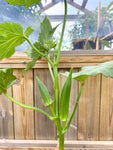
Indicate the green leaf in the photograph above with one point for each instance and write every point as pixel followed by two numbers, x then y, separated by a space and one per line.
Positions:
pixel 45 37
pixel 11 36
pixel 28 31
pixel 105 69
pixel 32 54
pixel 56 137
pixel 105 43
pixel 26 3
pixel 6 79
pixel 31 64
pixel 46 30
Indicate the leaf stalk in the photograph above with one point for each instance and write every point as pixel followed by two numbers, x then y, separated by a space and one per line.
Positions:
pixel 28 107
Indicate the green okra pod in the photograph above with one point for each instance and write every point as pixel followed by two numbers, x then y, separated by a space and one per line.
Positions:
pixel 44 93
pixel 65 97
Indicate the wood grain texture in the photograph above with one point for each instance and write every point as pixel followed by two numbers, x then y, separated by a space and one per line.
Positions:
pixel 23 118
pixel 6 117
pixel 44 128
pixel 53 148
pixel 67 59
pixel 72 132
pixel 88 114
pixel 50 145
pixel 106 111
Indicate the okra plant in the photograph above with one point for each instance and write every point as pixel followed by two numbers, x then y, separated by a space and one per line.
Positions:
pixel 12 35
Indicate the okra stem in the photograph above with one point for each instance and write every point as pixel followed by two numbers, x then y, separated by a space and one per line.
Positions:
pixel 61 141
pixel 56 90
pixel 62 34
pixel 75 108
pixel 28 107
pixel 51 72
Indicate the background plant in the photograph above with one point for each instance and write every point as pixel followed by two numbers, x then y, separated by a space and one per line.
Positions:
pixel 12 35
pixel 85 26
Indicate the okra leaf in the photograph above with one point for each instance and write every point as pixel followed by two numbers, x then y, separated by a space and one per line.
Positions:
pixel 32 54
pixel 11 36
pixel 26 3
pixel 6 79
pixel 105 69
pixel 46 34
pixel 31 64
pixel 46 30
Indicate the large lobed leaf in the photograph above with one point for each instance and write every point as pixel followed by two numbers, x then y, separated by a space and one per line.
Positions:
pixel 26 3
pixel 105 69
pixel 6 79
pixel 11 36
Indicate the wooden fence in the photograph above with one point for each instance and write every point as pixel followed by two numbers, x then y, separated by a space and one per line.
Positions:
pixel 94 117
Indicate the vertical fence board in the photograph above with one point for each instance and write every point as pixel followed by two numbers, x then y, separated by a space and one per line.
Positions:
pixel 44 128
pixel 23 118
pixel 88 115
pixel 106 113
pixel 72 132
pixel 6 117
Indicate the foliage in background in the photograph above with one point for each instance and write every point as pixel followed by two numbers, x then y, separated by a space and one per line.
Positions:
pixel 86 25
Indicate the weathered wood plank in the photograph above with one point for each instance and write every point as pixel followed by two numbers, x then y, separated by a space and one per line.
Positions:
pixel 88 112
pixel 6 117
pixel 23 118
pixel 45 65
pixel 48 148
pixel 67 59
pixel 106 112
pixel 50 145
pixel 72 132
pixel 44 128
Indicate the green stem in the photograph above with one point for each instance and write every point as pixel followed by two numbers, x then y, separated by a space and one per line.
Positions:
pixel 51 72
pixel 28 107
pixel 34 47
pixel 61 141
pixel 49 60
pixel 75 108
pixel 57 122
pixel 62 34
pixel 56 90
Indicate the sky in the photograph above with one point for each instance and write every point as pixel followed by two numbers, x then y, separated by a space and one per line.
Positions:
pixel 92 4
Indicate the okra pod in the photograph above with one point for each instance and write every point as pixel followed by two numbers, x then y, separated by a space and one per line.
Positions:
pixel 65 98
pixel 44 93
